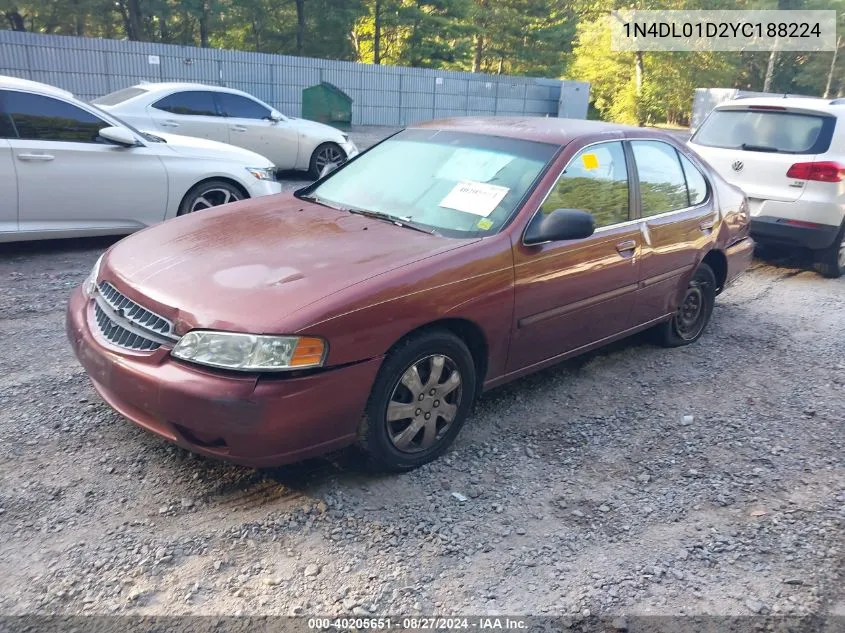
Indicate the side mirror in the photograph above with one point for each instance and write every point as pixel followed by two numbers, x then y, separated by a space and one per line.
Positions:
pixel 119 136
pixel 560 224
pixel 276 116
pixel 327 169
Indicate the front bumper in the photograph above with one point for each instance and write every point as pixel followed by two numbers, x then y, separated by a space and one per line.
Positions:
pixel 258 188
pixel 778 231
pixel 251 420
pixel 350 149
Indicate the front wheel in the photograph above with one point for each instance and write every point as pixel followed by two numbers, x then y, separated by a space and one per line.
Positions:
pixel 211 193
pixel 831 261
pixel 694 312
pixel 325 154
pixel 419 402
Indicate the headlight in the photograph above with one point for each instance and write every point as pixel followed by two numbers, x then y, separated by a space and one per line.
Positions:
pixel 89 286
pixel 262 173
pixel 250 352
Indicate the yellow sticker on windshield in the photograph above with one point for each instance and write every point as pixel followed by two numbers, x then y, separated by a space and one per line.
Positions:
pixel 485 223
pixel 591 161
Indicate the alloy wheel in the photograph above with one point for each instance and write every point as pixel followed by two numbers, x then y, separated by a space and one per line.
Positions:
pixel 424 403
pixel 213 198
pixel 328 155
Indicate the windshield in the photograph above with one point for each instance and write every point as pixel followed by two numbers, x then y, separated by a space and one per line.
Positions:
pixel 454 183
pixel 118 96
pixel 767 131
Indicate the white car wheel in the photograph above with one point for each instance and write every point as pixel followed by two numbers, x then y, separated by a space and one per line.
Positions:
pixel 212 193
pixel 326 154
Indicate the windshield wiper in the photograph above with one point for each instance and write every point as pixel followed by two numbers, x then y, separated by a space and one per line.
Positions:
pixel 320 201
pixel 376 215
pixel 403 222
pixel 759 148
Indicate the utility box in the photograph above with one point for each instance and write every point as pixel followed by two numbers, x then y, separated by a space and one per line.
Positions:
pixel 574 99
pixel 328 104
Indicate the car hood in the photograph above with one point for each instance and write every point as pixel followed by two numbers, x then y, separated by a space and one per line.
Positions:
pixel 248 265
pixel 202 148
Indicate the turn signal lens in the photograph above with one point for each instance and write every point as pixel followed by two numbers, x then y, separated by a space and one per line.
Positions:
pixel 308 353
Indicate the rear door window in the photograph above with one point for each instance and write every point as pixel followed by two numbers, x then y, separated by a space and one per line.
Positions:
pixel 759 130
pixel 188 103
pixel 663 186
pixel 240 107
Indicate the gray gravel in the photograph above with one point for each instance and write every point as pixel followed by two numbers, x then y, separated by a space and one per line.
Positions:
pixel 635 480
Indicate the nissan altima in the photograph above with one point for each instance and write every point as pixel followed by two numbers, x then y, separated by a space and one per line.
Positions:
pixel 375 305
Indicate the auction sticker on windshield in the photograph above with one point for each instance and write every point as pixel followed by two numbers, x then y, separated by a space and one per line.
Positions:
pixel 477 198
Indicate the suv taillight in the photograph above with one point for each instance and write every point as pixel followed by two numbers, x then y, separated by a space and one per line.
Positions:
pixel 823 171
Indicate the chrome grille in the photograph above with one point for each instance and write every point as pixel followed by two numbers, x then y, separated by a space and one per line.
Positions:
pixel 127 324
pixel 133 312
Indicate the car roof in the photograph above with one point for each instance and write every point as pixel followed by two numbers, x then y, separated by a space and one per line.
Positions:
pixel 542 129
pixel 180 85
pixel 33 86
pixel 798 103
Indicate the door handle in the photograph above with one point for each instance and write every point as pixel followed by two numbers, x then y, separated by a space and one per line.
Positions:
pixel 707 225
pixel 627 246
pixel 169 124
pixel 238 128
pixel 36 157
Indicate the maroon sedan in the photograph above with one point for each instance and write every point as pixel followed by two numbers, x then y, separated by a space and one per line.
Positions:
pixel 374 306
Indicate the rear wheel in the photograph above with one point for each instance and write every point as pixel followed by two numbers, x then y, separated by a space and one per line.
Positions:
pixel 694 312
pixel 325 154
pixel 419 402
pixel 211 193
pixel 830 262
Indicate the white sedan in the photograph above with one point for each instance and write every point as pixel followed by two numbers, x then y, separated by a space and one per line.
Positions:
pixel 231 116
pixel 68 169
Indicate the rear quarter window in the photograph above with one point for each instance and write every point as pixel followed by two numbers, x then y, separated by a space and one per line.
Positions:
pixel 767 131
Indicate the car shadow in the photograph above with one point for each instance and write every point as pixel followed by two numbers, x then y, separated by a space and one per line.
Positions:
pixel 798 260
pixel 36 248
pixel 294 176
pixel 350 465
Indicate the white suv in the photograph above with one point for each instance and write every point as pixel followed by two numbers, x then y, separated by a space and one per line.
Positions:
pixel 788 156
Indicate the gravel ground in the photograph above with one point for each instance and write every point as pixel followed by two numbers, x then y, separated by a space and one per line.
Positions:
pixel 635 480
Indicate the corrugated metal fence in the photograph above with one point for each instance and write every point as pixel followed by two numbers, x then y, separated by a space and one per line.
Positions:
pixel 383 95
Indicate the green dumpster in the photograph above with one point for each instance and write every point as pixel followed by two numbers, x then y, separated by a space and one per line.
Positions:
pixel 328 104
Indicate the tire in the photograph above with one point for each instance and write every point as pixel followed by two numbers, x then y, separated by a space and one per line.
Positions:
pixel 394 445
pixel 211 193
pixel 694 312
pixel 324 154
pixel 830 262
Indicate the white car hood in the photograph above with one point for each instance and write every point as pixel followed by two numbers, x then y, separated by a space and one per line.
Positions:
pixel 205 149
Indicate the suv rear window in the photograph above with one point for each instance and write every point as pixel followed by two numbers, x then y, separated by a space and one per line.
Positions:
pixel 767 131
pixel 118 96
